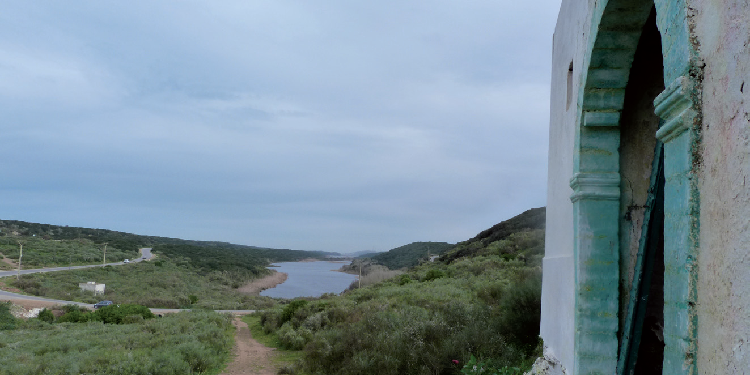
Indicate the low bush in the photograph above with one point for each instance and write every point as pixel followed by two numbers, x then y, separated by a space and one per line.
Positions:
pixel 288 312
pixel 7 320
pixel 46 315
pixel 178 344
pixel 116 314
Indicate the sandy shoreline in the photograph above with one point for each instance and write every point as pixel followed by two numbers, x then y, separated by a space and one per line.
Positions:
pixel 254 287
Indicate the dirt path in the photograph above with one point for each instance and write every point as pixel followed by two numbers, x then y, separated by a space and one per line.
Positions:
pixel 256 286
pixel 251 357
pixel 8 260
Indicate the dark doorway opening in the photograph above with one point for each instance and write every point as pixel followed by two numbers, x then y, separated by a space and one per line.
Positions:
pixel 641 161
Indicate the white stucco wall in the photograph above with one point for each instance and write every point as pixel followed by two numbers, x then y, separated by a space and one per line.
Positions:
pixel 92 287
pixel 558 289
pixel 723 30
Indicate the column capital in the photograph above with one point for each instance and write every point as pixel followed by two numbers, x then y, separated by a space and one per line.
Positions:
pixel 595 186
pixel 674 106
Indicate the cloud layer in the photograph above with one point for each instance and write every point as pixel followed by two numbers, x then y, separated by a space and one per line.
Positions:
pixel 334 125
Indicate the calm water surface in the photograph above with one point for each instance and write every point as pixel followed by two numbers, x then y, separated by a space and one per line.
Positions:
pixel 309 279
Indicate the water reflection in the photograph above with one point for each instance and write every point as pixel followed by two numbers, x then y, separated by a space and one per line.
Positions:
pixel 309 279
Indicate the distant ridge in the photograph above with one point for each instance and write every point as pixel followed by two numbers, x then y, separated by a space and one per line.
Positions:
pixel 132 242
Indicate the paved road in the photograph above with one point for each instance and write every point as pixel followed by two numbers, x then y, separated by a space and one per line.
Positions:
pixel 146 255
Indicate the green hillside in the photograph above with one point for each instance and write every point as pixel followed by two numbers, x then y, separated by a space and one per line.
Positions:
pixel 478 306
pixel 525 232
pixel 47 245
pixel 409 255
pixel 202 274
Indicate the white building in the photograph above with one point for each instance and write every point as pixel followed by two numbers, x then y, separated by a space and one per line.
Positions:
pixel 629 76
pixel 97 289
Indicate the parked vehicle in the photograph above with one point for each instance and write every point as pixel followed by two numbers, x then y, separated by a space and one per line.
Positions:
pixel 102 304
pixel 126 261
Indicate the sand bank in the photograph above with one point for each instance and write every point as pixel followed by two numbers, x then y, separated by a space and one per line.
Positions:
pixel 256 286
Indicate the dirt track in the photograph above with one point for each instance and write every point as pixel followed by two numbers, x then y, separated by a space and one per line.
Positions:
pixel 251 357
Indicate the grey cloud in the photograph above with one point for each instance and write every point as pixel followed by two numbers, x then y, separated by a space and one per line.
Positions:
pixel 317 125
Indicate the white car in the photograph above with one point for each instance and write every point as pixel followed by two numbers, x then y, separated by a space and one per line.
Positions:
pixel 126 261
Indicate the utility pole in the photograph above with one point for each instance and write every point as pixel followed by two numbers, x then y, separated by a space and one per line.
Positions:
pixel 104 261
pixel 20 255
pixel 359 284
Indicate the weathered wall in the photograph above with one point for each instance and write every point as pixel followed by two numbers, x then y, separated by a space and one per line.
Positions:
pixel 723 32
pixel 558 288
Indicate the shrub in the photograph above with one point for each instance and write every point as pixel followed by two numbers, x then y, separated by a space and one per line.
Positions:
pixel 521 309
pixel 7 320
pixel 404 279
pixel 294 339
pixel 115 314
pixel 433 274
pixel 77 314
pixel 46 315
pixel 290 309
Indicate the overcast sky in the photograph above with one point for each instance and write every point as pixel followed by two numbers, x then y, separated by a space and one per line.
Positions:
pixel 314 125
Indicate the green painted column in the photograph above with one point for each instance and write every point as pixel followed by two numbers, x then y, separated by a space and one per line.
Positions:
pixel 681 226
pixel 596 196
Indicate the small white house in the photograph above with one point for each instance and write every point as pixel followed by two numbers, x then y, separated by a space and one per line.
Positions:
pixel 97 289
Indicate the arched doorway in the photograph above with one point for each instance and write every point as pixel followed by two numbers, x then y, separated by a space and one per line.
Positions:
pixel 612 148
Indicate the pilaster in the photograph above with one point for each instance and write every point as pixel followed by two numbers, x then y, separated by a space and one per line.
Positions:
pixel 681 208
pixel 596 207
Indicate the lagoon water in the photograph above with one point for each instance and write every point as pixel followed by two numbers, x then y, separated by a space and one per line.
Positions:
pixel 309 279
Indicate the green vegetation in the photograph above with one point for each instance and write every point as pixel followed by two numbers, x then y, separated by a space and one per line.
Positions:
pixel 187 274
pixel 196 342
pixel 369 272
pixel 164 283
pixel 49 245
pixel 409 255
pixel 112 314
pixel 7 321
pixel 433 319
pixel 475 310
pixel 491 240
pixel 282 358
pixel 39 253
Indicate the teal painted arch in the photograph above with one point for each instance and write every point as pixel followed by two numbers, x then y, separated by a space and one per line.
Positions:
pixel 615 31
